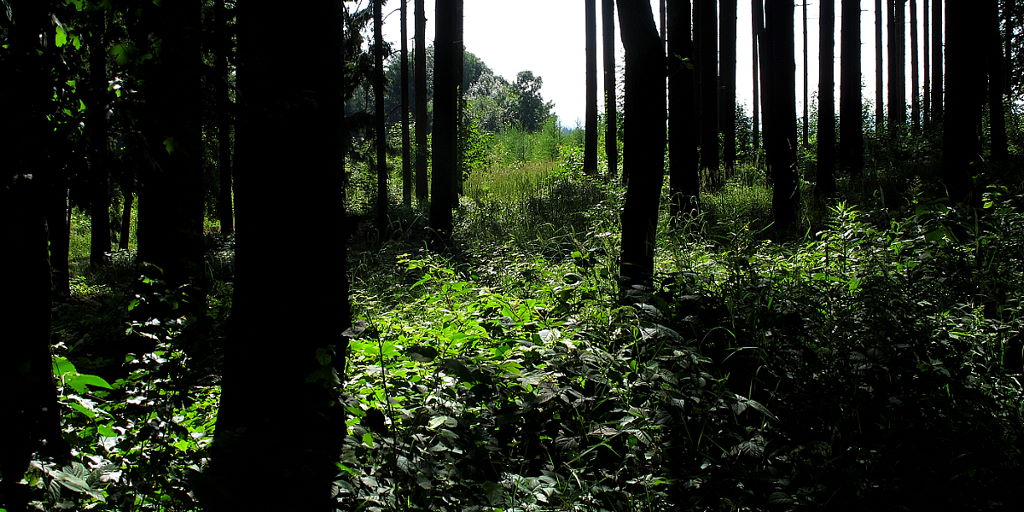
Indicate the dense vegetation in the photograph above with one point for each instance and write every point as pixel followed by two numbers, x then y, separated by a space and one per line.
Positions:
pixel 868 356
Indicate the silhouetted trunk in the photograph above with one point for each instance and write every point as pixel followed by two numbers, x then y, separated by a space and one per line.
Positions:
pixel 460 104
pixel 590 126
pixel 225 208
pixel 897 70
pixel 926 96
pixel 406 153
pixel 826 185
pixel 28 398
pixel 291 116
pixel 996 86
pixel 806 121
pixel 706 41
pixel 380 133
pixel 756 25
pixel 965 92
pixel 937 76
pixel 727 69
pixel 611 134
pixel 684 174
pixel 58 225
pixel 96 127
pixel 445 135
pixel 851 126
pixel 170 224
pixel 780 133
pixel 663 26
pixel 420 84
pixel 879 70
pixel 915 80
pixel 645 141
pixel 124 234
pixel 1009 27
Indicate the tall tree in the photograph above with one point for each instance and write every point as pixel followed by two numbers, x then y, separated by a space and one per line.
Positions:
pixel 171 200
pixel 406 154
pixel 222 39
pixel 727 70
pixel 926 96
pixel 380 133
pixel 96 127
pixel 780 132
pixel 937 89
pixel 706 41
pixel 806 120
pixel 684 173
pixel 897 68
pixel 644 139
pixel 611 134
pixel 420 85
pixel 879 71
pixel 826 185
pixel 996 85
pixel 757 26
pixel 965 93
pixel 447 46
pixel 915 80
pixel 291 117
pixel 851 126
pixel 28 398
pixel 590 127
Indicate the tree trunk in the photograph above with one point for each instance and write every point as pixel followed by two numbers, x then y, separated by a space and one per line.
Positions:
pixel 611 134
pixel 780 133
pixel 171 199
pixel 915 80
pixel 879 71
pixel 826 185
pixel 380 132
pixel 897 71
pixel 727 69
pixel 645 141
pixel 445 141
pixel 590 127
pixel 684 173
pixel 96 127
pixel 996 87
pixel 290 117
pixel 128 198
pixel 806 120
pixel 406 153
pixel 757 26
pixel 225 208
pixel 851 126
pixel 706 33
pixel 965 93
pixel 926 96
pixel 58 225
pixel 420 84
pixel 937 89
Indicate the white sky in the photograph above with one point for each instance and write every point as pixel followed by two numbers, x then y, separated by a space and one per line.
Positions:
pixel 547 37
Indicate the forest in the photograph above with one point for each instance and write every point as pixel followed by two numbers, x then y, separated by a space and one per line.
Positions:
pixel 258 258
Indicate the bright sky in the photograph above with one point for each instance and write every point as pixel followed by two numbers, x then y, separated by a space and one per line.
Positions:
pixel 547 37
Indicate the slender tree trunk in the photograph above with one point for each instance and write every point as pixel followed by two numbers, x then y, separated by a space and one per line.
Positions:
pixel 611 145
pixel 99 171
pixel 965 93
pixel 380 136
pixel 291 117
pixel 897 72
pixel 460 104
pixel 645 141
pixel 1009 27
pixel 684 173
pixel 707 69
pixel 727 70
pixel 225 200
pixel 420 84
pixel 806 120
pixel 996 86
pixel 879 71
pixel 826 185
pixel 406 153
pixel 590 129
pixel 58 225
pixel 851 125
pixel 445 141
pixel 663 17
pixel 128 198
pixel 756 25
pixel 926 96
pixel 781 135
pixel 915 80
pixel 937 68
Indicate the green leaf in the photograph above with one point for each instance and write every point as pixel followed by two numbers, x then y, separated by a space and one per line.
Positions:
pixel 106 431
pixel 422 354
pixel 169 145
pixel 62 37
pixel 447 421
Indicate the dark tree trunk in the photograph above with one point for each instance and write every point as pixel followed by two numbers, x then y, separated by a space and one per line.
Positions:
pixel 996 87
pixel 170 224
pixel 915 80
pixel 757 26
pixel 459 58
pixel 406 153
pixel 780 133
pixel 926 114
pixel 611 134
pixel 58 225
pixel 645 141
pixel 879 71
pixel 1009 27
pixel 937 89
pixel 965 93
pixel 684 174
pixel 590 126
pixel 291 117
pixel 706 34
pixel 826 185
pixel 99 171
pixel 445 141
pixel 420 84
pixel 851 126
pixel 380 133
pixel 663 17
pixel 128 198
pixel 897 70
pixel 225 209
pixel 727 69
pixel 806 120
pixel 28 398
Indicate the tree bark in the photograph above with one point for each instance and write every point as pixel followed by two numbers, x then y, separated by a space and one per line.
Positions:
pixel 851 125
pixel 406 153
pixel 826 181
pixel 780 133
pixel 926 96
pixel 645 141
pixel 965 93
pixel 879 71
pixel 684 173
pixel 897 70
pixel 420 84
pixel 96 127
pixel 915 80
pixel 611 135
pixel 937 69
pixel 757 27
pixel 445 141
pixel 291 117
pixel 380 132
pixel 590 126
pixel 706 34
pixel 806 121
pixel 727 70
pixel 225 207
pixel 996 86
